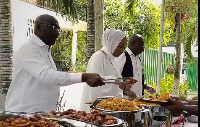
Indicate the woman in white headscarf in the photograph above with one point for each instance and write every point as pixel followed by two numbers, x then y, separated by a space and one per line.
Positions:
pixel 103 63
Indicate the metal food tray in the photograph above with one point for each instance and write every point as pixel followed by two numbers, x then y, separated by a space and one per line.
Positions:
pixel 80 123
pixel 6 115
pixel 99 99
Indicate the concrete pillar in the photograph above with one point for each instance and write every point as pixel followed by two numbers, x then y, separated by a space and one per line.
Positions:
pixel 74 48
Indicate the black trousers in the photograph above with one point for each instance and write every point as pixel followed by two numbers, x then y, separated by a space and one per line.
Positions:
pixel 138 124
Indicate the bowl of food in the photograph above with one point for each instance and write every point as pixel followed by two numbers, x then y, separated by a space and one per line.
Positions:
pixel 160 99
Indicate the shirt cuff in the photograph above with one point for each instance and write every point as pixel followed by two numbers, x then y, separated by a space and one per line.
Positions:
pixel 75 77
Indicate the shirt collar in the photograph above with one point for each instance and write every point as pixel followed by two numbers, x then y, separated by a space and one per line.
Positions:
pixel 38 41
pixel 129 51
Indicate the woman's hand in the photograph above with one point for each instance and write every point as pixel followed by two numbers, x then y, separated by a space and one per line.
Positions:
pixel 124 86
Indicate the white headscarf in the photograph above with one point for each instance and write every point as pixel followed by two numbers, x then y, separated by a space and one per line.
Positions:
pixel 110 40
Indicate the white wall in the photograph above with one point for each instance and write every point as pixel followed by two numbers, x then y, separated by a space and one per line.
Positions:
pixel 172 50
pixel 22 14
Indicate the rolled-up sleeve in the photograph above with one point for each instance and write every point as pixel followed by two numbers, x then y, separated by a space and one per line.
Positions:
pixel 31 60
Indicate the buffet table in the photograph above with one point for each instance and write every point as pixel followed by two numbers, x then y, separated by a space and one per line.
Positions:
pixel 188 124
pixel 107 111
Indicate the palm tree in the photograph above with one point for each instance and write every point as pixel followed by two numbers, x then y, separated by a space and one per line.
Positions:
pixel 5 48
pixel 65 7
pixel 68 8
pixel 90 29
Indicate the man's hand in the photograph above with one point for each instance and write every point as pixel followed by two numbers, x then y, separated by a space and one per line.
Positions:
pixel 92 79
pixel 175 106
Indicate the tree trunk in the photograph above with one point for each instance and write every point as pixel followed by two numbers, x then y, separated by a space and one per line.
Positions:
pixel 99 23
pixel 5 49
pixel 178 55
pixel 90 29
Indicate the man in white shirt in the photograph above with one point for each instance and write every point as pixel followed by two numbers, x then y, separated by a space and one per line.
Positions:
pixel 131 66
pixel 36 82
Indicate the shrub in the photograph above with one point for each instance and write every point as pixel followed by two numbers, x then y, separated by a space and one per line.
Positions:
pixel 166 86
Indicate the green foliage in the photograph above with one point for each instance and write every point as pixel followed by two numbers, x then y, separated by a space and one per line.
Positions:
pixel 190 32
pixel 183 90
pixel 166 86
pixel 61 51
pixel 67 8
pixel 189 26
pixel 144 19
pixel 179 6
pixel 81 53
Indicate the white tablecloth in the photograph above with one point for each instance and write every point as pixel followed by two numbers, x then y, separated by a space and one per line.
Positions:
pixel 191 124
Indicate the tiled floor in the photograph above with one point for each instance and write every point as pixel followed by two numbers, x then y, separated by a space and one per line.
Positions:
pixel 157 123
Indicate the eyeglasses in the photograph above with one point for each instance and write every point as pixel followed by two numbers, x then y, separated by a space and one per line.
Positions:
pixel 54 28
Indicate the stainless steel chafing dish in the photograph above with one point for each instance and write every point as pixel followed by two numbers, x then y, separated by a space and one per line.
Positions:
pixel 78 123
pixel 161 111
pixel 127 116
pixel 6 115
pixel 64 122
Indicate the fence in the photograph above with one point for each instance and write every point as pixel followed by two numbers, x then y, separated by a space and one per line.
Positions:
pixel 192 74
pixel 150 64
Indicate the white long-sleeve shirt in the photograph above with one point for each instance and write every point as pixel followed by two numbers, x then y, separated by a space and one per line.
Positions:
pixel 101 64
pixel 36 81
pixel 137 70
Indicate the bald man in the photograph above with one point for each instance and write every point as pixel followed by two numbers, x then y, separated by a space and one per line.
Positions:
pixel 36 82
pixel 131 66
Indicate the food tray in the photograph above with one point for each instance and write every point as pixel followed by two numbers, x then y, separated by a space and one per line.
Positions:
pixel 98 100
pixel 80 123
pixel 6 115
pixel 154 101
